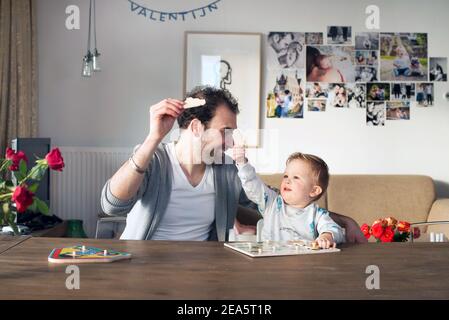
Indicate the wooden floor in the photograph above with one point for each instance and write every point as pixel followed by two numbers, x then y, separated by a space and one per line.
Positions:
pixel 207 270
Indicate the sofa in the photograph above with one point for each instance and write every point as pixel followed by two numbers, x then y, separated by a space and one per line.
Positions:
pixel 366 198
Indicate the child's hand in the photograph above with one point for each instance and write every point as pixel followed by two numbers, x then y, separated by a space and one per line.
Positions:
pixel 326 241
pixel 238 154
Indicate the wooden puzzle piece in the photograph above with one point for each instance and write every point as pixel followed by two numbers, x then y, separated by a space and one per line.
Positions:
pixel 239 138
pixel 194 103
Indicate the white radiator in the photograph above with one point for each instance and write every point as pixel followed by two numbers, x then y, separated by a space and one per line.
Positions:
pixel 75 192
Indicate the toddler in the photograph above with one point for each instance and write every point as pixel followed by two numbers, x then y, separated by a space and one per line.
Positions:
pixel 291 213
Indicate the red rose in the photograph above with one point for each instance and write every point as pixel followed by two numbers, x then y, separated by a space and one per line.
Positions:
pixel 403 226
pixel 55 160
pixel 383 222
pixel 377 229
pixel 391 222
pixel 366 230
pixel 15 158
pixel 388 235
pixel 23 198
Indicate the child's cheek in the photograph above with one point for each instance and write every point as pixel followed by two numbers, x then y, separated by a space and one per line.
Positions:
pixel 297 186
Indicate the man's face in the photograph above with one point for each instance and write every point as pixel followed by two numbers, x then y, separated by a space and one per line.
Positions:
pixel 218 134
pixel 283 42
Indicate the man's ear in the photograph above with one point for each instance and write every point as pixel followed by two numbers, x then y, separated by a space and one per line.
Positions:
pixel 316 191
pixel 196 127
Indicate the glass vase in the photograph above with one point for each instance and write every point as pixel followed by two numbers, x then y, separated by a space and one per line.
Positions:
pixel 75 229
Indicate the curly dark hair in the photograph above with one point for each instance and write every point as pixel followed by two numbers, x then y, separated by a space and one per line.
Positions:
pixel 214 97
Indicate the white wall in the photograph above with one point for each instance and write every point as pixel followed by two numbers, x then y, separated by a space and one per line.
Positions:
pixel 142 63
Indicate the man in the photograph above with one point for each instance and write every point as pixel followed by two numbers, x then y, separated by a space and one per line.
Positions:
pixel 183 191
pixel 280 41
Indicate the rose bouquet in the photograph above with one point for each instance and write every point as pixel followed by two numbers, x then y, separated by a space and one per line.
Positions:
pixel 18 185
pixel 389 230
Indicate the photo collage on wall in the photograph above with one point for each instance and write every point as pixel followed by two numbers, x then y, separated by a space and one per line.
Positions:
pixel 384 73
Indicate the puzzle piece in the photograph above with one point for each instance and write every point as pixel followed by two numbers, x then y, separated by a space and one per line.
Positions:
pixel 239 138
pixel 194 103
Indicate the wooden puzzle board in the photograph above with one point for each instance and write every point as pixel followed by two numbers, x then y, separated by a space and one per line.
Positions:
pixel 275 249
pixel 84 254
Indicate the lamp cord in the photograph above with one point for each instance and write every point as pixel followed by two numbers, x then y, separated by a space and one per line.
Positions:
pixel 95 23
pixel 90 23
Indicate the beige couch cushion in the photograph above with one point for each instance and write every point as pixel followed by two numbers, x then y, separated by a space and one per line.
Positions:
pixel 366 198
pixel 369 197
pixel 440 212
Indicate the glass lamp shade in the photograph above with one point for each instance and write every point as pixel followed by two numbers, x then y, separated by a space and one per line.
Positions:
pixel 87 65
pixel 95 61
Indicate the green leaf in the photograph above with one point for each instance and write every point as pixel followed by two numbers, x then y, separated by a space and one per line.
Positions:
pixel 19 176
pixel 11 219
pixel 5 208
pixel 37 173
pixel 5 165
pixel 10 186
pixel 5 196
pixel 33 188
pixel 23 167
pixel 33 207
pixel 42 207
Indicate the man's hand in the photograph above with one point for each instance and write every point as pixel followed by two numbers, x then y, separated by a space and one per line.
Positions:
pixel 243 229
pixel 163 116
pixel 325 240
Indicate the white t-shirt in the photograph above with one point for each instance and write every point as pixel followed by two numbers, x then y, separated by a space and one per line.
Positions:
pixel 191 210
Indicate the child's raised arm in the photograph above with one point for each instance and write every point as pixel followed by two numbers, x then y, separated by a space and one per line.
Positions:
pixel 255 189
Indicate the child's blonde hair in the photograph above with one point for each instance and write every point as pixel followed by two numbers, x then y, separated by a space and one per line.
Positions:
pixel 319 169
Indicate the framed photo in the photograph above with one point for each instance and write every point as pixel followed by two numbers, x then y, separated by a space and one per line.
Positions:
pixel 229 61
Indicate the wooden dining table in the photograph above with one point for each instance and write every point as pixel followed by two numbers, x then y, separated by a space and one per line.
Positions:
pixel 208 270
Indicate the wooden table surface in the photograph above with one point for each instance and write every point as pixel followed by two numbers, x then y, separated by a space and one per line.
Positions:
pixel 8 242
pixel 207 270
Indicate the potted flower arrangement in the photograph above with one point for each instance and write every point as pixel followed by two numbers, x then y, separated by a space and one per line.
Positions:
pixel 389 230
pixel 18 195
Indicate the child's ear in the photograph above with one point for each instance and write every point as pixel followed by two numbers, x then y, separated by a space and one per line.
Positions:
pixel 316 191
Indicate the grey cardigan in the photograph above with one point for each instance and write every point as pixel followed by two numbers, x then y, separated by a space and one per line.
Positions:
pixel 145 211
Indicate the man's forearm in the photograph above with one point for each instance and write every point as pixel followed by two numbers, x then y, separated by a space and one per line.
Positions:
pixel 126 181
pixel 338 218
pixel 353 232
